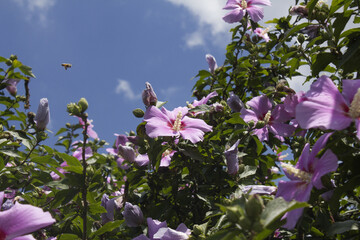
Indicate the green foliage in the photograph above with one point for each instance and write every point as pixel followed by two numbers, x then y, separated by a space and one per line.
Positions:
pixel 196 188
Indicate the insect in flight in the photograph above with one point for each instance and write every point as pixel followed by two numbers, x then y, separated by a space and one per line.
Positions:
pixel 66 65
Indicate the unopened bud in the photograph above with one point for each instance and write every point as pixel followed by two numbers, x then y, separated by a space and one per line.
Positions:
pixel 139 113
pixel 31 117
pixel 13 57
pixel 11 87
pixel 234 102
pixel 83 104
pixel 211 62
pixel 133 215
pixel 301 38
pixel 254 206
pixel 42 117
pixel 299 10
pixel 260 124
pixel 73 109
pixel 233 213
pixel 148 95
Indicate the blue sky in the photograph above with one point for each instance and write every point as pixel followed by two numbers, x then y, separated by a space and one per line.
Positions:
pixel 115 46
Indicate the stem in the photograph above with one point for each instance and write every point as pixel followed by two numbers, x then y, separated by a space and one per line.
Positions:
pixel 85 185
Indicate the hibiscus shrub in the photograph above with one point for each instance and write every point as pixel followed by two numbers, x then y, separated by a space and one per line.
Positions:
pixel 250 158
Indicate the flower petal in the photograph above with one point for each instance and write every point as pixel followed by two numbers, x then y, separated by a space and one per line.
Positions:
pixel 154 226
pixel 260 104
pixel 256 13
pixel 234 16
pixel 23 219
pixel 326 164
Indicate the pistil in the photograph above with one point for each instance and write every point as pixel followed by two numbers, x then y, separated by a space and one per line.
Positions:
pixel 177 123
pixel 354 110
pixel 302 175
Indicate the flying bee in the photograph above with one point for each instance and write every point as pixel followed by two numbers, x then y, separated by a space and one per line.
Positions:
pixel 66 65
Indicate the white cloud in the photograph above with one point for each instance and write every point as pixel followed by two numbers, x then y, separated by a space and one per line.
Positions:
pixel 37 9
pixel 208 14
pixel 124 88
pixel 211 28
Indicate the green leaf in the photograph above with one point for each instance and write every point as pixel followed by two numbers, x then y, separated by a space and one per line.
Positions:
pixel 275 209
pixel 236 119
pixel 321 61
pixel 71 161
pixel 259 145
pixel 310 6
pixel 108 227
pixel 74 169
pixel 10 153
pixel 27 71
pixel 96 209
pixel 248 171
pixel 16 63
pixel 341 227
pixel 2 59
pixel 335 5
pixel 68 236
pixel 159 104
pixel 45 160
pixel 227 234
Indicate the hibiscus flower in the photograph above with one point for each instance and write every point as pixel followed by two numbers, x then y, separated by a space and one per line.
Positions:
pixel 239 8
pixel 305 175
pixel 326 108
pixel 174 123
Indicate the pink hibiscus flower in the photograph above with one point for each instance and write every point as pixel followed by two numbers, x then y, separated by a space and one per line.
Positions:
pixel 174 123
pixel 239 8
pixel 305 175
pixel 326 108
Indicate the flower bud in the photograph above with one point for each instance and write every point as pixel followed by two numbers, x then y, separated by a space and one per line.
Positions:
pixel 148 95
pixel 212 63
pixel 42 117
pixel 133 215
pixel 139 113
pixel 260 124
pixel 127 153
pixel 11 87
pixel 299 10
pixel 83 104
pixel 254 206
pixel 31 117
pixel 73 109
pixel 234 102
